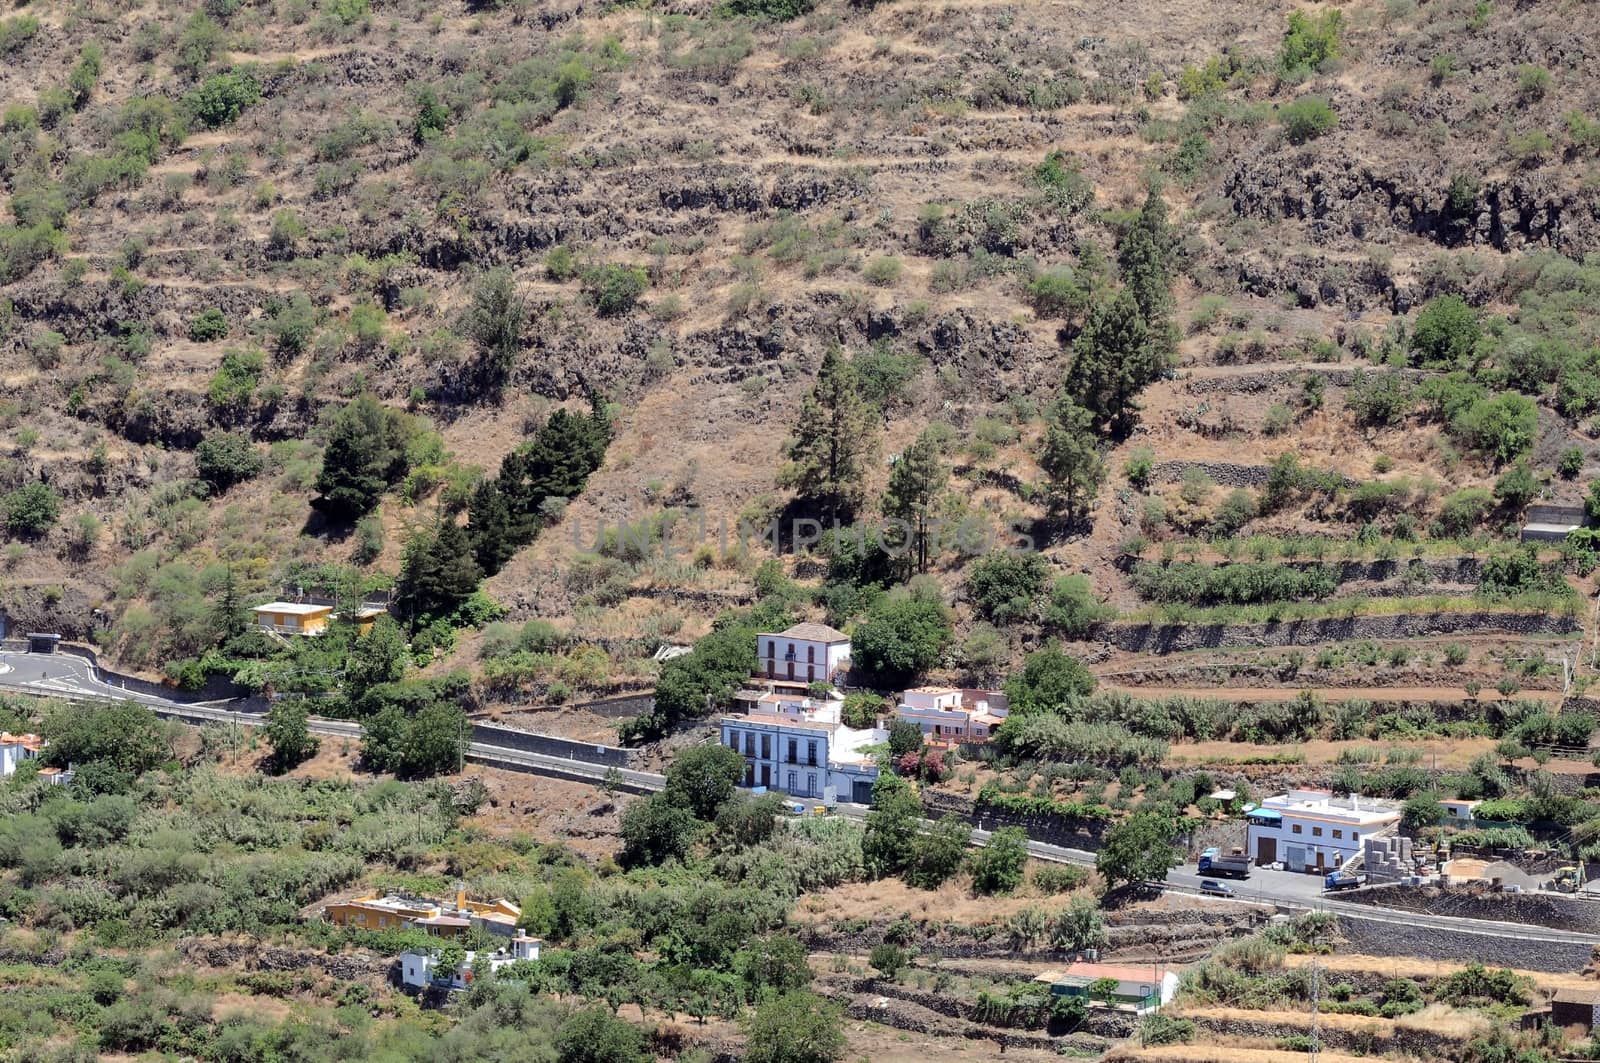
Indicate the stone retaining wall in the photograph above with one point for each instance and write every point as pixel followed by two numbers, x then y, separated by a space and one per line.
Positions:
pixel 1430 943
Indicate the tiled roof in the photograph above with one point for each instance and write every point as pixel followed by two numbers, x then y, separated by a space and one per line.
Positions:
pixel 814 633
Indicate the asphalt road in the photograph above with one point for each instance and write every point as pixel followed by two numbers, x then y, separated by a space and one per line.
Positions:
pixel 63 676
pixel 74 678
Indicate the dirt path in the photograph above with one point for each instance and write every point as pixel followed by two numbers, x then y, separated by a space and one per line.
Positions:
pixel 1437 694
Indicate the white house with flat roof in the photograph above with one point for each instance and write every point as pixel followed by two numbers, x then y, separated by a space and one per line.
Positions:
pixel 805 653
pixel 950 716
pixel 1313 830
pixel 419 968
pixel 799 746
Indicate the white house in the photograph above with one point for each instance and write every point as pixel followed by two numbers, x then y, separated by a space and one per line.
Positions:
pixel 805 653
pixel 1312 830
pixel 951 716
pixel 418 969
pixel 799 746
pixel 1141 988
pixel 1459 812
pixel 14 749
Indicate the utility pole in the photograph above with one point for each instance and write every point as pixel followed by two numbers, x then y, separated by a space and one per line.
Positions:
pixel 1315 986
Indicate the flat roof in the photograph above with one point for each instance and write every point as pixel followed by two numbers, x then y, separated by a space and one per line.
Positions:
pixel 293 608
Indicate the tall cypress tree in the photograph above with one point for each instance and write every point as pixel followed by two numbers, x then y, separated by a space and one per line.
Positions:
pixel 439 572
pixel 1146 253
pixel 489 528
pixel 915 484
pixel 831 440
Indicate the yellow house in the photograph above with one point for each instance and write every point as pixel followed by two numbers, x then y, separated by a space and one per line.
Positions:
pixel 440 918
pixel 365 617
pixel 293 618
pixel 373 912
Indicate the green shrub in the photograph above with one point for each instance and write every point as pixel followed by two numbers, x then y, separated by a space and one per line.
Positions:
pixel 222 98
pixel 16 32
pixel 1446 334
pixel 235 381
pixel 1307 119
pixel 615 289
pixel 1532 82
pixel 1057 293
pixel 1571 463
pixel 31 510
pixel 883 272
pixel 208 325
pixel 1310 42
pixel 776 10
pixel 226 458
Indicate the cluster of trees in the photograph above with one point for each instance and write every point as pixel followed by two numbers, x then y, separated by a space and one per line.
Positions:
pixel 508 511
pixel 897 843
pixel 1124 345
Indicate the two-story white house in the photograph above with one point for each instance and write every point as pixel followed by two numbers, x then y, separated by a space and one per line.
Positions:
pixel 1313 830
pixel 419 968
pixel 949 716
pixel 805 653
pixel 799 746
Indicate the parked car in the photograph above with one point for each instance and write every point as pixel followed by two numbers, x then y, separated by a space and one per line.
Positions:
pixel 1211 885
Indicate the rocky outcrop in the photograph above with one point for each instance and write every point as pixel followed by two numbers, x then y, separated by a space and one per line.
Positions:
pixel 1346 195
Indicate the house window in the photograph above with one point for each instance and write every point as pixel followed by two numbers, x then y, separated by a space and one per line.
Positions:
pixel 749 744
pixel 1337 833
pixel 811 783
pixel 793 746
pixel 811 752
pixel 1316 832
pixel 811 673
pixel 766 747
pixel 731 740
pixel 811 654
pixel 791 782
pixel 1295 829
pixel 772 648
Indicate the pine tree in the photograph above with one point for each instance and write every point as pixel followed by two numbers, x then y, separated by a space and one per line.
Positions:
pixel 915 486
pixel 489 528
pixel 359 461
pixel 438 573
pixel 1145 254
pixel 831 441
pixel 1071 457
pixel 1113 360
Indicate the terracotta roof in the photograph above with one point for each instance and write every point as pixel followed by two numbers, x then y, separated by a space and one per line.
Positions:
pixel 31 742
pixel 1120 972
pixel 814 633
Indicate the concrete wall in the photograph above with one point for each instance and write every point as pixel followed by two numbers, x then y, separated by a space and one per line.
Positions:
pixel 527 741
